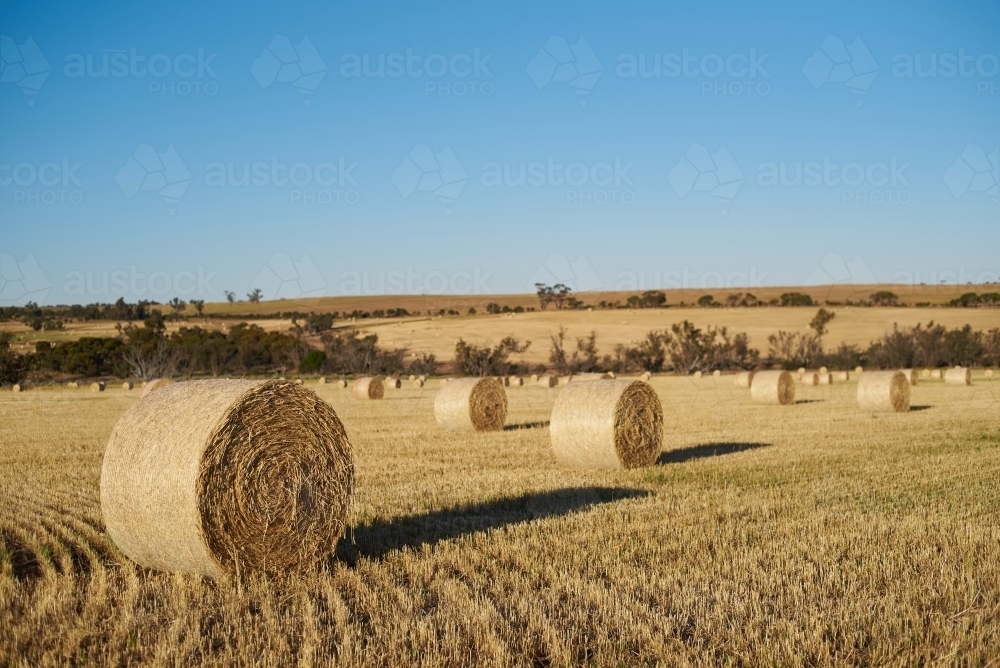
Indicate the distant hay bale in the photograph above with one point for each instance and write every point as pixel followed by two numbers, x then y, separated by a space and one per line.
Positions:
pixel 716 373
pixel 823 369
pixel 17 387
pixel 912 375
pixel 773 387
pixel 884 391
pixel 504 380
pixel 925 373
pixel 935 374
pixel 393 383
pixel 73 384
pixel 548 380
pixel 824 378
pixel 342 384
pixel 368 388
pixel 562 380
pixel 697 374
pixel 843 375
pixel 809 378
pixel 471 404
pixel 958 376
pixel 154 385
pixel 611 374
pixel 220 477
pixel 97 387
pixel 646 376
pixel 859 369
pixel 516 381
pixel 299 381
pixel 801 370
pixel 988 373
pixel 534 377
pixel 127 385
pixel 611 424
pixel 322 380
pixel 744 379
pixel 443 381
pixel 417 382
pixel 422 378
pixel 412 377
pixel 577 377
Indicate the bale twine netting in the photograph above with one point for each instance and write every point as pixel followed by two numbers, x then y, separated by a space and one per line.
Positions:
pixel 607 424
pixel 773 387
pixel 471 404
pixel 153 386
pixel 744 379
pixel 368 388
pixel 884 391
pixel 221 477
pixel 958 376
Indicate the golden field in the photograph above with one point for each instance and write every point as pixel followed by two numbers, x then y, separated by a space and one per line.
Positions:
pixel 807 534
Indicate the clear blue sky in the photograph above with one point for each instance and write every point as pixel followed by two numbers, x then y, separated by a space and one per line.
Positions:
pixel 660 149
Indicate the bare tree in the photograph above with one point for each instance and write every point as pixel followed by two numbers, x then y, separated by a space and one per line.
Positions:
pixel 149 363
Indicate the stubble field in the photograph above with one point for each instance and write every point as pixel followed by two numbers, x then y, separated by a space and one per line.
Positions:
pixel 812 534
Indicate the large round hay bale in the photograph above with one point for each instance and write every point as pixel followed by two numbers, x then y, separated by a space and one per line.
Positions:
pixel 743 380
pixel 127 385
pixel 610 424
pixel 884 391
pixel 548 380
pixel 516 381
pixel 471 404
pixel 824 378
pixel 958 376
pixel 368 388
pixel 153 386
pixel 223 477
pixel 393 383
pixel 912 375
pixel 97 386
pixel 773 387
pixel 801 370
pixel 843 375
pixel 809 378
pixel 577 377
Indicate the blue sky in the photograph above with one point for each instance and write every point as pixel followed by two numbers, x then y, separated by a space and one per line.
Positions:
pixel 660 145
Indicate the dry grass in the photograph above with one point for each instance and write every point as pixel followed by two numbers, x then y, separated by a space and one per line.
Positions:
pixel 812 534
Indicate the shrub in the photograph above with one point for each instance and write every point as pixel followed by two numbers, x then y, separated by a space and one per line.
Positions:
pixel 312 362
pixel 796 299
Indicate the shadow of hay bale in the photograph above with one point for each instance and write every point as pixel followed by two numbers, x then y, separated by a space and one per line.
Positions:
pixel 526 425
pixel 376 540
pixel 706 450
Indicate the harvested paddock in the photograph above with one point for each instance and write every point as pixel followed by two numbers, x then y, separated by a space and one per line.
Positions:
pixel 833 536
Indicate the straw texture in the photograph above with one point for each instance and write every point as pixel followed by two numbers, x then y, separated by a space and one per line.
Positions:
pixel 368 388
pixel 884 391
pixel 471 404
pixel 773 387
pixel 958 376
pixel 153 386
pixel 743 379
pixel 223 477
pixel 608 424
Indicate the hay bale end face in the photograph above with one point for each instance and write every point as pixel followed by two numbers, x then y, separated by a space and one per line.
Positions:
pixel 153 386
pixel 825 378
pixel 773 387
pixel 220 477
pixel 823 369
pixel 843 375
pixel 547 381
pixel 342 384
pixel 859 369
pixel 716 373
pixel 912 375
pixel 471 404
pixel 646 376
pixel 608 424
pixel 884 392
pixel 534 377
pixel 516 381
pixel 958 376
pixel 73 384
pixel 368 388
pixel 322 380
pixel 127 385
pixel 97 387
pixel 393 383
pixel 935 374
pixel 744 379
pixel 988 373
pixel 417 382
pixel 17 387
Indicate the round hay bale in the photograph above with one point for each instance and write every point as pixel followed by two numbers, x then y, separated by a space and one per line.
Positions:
pixel 417 382
pixel 823 369
pixel 299 381
pixel 843 375
pixel 412 377
pixel 744 380
pixel 988 373
pixel 548 381
pixel 801 370
pixel 646 376
pixel 322 380
pixel 471 404
pixel 73 384
pixel 925 373
pixel 504 380
pixel 534 377
pixel 716 373
pixel 443 381
pixel 912 375
pixel 935 374
pixel 154 385
pixel 17 387
pixel 127 385
pixel 958 376
pixel 858 369
pixel 884 391
pixel 516 381
pixel 577 377
pixel 611 374
pixel 97 387
pixel 697 374
pixel 368 388
pixel 393 383
pixel 809 378
pixel 773 387
pixel 422 378
pixel 824 378
pixel 563 380
pixel 613 424
pixel 342 384
pixel 221 477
